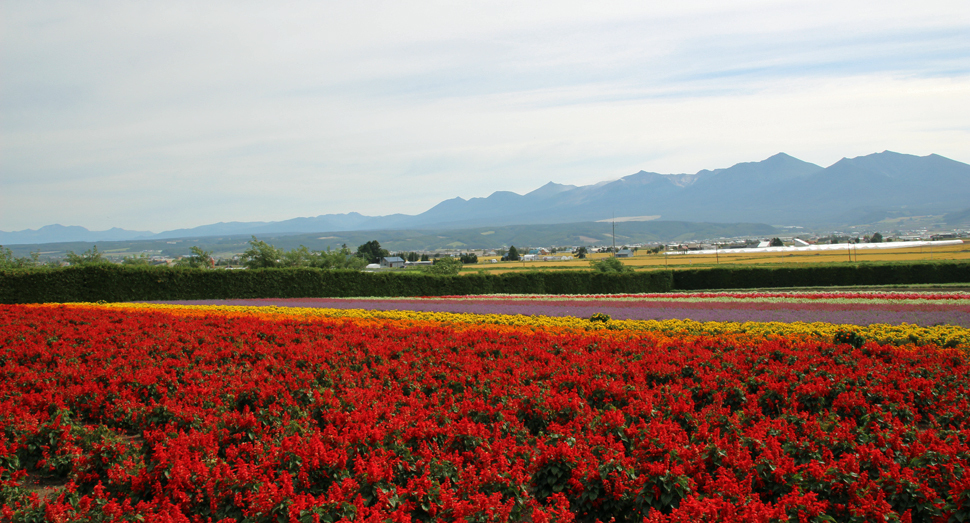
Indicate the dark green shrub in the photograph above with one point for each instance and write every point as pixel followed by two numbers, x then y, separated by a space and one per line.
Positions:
pixel 890 273
pixel 117 283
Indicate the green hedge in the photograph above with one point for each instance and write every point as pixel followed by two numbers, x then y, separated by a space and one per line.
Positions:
pixel 894 273
pixel 114 283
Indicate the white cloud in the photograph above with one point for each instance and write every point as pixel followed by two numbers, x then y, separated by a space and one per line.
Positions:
pixel 179 114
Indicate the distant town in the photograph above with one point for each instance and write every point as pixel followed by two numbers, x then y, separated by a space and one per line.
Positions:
pixel 523 253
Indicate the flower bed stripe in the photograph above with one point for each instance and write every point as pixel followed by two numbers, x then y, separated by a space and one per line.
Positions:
pixel 944 335
pixel 856 313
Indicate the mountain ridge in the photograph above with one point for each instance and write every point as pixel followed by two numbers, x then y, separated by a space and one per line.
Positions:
pixel 778 189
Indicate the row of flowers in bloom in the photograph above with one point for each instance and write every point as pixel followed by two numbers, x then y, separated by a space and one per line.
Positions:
pixel 704 308
pixel 220 414
pixel 944 335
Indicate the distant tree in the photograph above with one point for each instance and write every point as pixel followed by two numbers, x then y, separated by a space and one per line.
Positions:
pixel 610 264
pixel 876 238
pixel 776 242
pixel 8 261
pixel 339 259
pixel 89 257
pixel 199 259
pixel 581 253
pixel 424 257
pixel 446 266
pixel 469 258
pixel 136 259
pixel 513 253
pixel 299 257
pixel 261 255
pixel 372 252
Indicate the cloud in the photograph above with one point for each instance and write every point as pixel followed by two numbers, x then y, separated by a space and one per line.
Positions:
pixel 178 114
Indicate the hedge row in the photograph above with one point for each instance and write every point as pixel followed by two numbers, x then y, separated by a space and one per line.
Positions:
pixel 121 283
pixel 893 273
pixel 114 283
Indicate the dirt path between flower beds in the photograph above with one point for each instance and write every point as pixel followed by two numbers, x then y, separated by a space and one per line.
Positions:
pixel 858 288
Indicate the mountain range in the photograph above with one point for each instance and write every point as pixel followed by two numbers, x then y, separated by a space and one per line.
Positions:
pixel 780 190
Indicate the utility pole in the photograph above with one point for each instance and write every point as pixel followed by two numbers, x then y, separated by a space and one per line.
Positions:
pixel 614 234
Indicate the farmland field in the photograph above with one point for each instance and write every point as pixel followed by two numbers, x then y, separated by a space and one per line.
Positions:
pixel 645 261
pixel 220 413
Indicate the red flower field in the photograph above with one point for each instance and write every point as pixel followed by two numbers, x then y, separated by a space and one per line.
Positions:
pixel 166 416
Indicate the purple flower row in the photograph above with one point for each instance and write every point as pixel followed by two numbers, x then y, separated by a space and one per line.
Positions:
pixel 925 315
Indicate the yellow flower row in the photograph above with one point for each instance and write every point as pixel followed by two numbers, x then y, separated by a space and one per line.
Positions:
pixel 941 335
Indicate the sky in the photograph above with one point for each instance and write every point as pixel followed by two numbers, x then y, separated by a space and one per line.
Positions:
pixel 154 116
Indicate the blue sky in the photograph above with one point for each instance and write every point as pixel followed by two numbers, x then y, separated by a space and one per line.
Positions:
pixel 161 115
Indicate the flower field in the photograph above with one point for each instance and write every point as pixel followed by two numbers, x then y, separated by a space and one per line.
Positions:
pixel 922 309
pixel 143 412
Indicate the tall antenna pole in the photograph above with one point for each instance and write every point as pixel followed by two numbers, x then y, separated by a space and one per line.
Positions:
pixel 614 234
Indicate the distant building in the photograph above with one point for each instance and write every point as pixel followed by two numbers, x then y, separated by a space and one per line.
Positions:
pixel 624 253
pixel 418 263
pixel 392 262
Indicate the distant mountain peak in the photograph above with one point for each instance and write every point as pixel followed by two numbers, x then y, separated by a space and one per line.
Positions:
pixel 551 189
pixel 781 156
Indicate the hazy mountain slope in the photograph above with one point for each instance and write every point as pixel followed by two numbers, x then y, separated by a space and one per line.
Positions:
pixel 61 233
pixel 326 222
pixel 778 190
pixel 852 187
pixel 752 191
pixel 958 218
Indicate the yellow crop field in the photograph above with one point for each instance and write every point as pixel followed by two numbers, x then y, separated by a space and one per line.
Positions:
pixel 654 261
